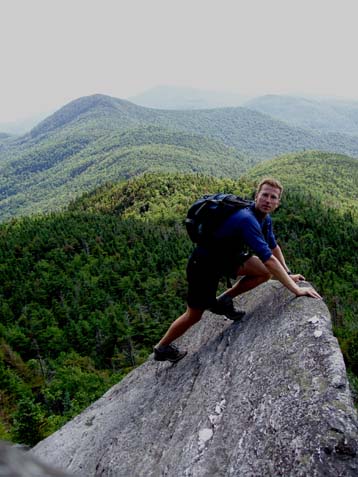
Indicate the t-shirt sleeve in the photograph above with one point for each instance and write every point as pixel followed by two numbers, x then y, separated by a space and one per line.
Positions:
pixel 253 237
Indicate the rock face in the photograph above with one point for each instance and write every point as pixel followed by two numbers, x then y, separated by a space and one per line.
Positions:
pixel 267 396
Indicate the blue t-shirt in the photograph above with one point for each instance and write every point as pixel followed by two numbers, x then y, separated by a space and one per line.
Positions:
pixel 246 229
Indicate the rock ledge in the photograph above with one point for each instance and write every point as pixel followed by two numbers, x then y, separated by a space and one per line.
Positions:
pixel 264 397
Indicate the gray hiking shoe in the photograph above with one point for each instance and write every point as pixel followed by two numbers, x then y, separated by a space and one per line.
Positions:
pixel 225 306
pixel 168 353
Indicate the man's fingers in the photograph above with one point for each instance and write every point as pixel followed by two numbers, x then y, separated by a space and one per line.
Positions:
pixel 313 293
pixel 309 292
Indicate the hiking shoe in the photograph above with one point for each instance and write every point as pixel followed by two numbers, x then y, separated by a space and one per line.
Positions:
pixel 168 353
pixel 225 306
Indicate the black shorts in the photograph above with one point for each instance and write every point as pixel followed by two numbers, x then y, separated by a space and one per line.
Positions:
pixel 204 271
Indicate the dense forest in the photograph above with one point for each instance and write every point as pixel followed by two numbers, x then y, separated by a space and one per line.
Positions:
pixel 48 175
pixel 86 292
pixel 97 139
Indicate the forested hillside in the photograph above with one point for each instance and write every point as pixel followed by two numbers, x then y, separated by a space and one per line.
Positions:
pixel 98 138
pixel 85 293
pixel 48 176
pixel 331 177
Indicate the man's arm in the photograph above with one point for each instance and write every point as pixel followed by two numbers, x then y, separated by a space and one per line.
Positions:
pixel 276 269
pixel 279 255
pixel 277 252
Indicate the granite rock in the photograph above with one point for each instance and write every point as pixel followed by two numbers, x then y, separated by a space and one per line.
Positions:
pixel 267 396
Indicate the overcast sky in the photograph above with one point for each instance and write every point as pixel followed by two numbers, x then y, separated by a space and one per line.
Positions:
pixel 54 51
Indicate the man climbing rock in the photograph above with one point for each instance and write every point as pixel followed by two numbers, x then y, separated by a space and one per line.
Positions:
pixel 244 247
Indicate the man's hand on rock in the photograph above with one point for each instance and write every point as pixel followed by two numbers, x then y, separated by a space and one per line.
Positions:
pixel 297 278
pixel 305 291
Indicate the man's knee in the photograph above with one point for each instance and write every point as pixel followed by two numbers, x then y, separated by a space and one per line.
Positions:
pixel 254 267
pixel 194 314
pixel 266 275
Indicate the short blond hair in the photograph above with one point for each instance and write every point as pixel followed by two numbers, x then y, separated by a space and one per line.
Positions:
pixel 271 182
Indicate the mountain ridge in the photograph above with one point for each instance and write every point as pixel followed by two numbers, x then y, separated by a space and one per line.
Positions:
pixel 326 115
pixel 130 114
pixel 79 108
pixel 57 160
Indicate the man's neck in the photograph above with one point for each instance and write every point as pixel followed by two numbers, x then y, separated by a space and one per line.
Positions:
pixel 260 215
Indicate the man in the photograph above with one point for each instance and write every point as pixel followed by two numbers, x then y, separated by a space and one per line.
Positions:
pixel 249 228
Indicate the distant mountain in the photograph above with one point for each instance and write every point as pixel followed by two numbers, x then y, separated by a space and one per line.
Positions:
pixel 98 138
pixel 323 115
pixel 174 97
pixel 250 132
pixel 93 113
pixel 88 144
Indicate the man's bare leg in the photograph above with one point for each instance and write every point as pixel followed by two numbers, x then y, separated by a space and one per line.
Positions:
pixel 253 273
pixel 181 325
pixel 164 351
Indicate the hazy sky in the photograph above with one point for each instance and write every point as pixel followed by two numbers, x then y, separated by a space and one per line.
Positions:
pixel 53 51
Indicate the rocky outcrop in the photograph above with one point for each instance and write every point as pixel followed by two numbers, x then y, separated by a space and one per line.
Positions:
pixel 267 396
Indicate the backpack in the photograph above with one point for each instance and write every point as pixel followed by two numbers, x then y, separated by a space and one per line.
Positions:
pixel 209 212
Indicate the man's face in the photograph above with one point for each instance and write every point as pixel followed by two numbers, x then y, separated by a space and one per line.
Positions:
pixel 268 199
